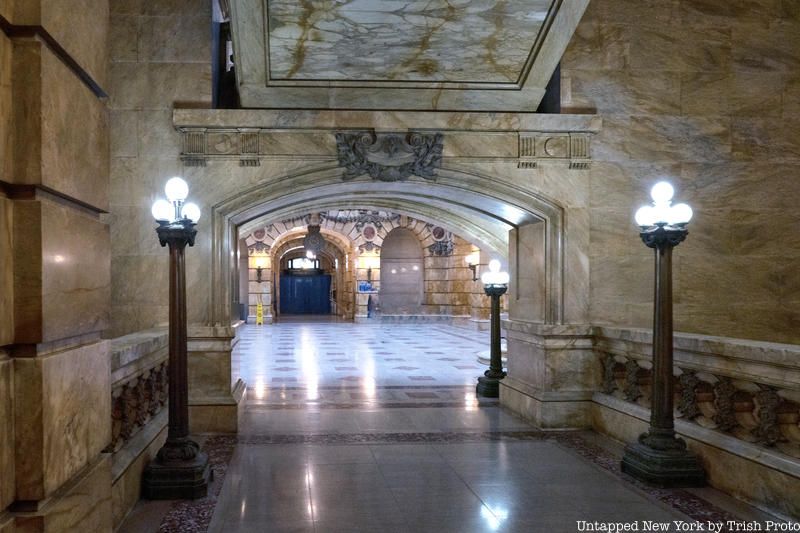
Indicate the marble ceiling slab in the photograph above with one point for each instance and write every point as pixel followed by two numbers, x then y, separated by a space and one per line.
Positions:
pixel 443 55
pixel 463 41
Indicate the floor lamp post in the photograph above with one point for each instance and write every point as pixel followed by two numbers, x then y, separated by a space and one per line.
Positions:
pixel 180 470
pixel 659 457
pixel 495 284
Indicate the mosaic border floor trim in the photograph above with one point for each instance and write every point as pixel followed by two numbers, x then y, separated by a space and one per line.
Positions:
pixel 195 516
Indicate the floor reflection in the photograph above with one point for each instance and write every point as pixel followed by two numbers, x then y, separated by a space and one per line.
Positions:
pixel 297 363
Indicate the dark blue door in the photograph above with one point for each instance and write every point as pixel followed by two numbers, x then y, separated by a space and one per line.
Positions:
pixel 306 295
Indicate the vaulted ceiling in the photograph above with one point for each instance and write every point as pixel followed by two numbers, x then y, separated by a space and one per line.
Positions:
pixel 399 54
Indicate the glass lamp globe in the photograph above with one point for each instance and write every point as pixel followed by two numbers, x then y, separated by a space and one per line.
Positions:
pixel 191 211
pixel 494 276
pixel 644 216
pixel 662 192
pixel 176 189
pixel 162 210
pixel 680 214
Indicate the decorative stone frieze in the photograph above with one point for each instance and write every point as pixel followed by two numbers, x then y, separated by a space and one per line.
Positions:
pixel 441 248
pixel 135 402
pixel 751 412
pixel 368 146
pixel 362 218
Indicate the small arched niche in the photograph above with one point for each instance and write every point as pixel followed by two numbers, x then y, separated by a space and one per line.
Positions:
pixel 401 284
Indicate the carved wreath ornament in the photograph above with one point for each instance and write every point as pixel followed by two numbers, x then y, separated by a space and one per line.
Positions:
pixel 389 156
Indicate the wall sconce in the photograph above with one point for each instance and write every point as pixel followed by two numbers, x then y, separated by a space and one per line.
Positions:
pixel 368 262
pixel 473 262
pixel 260 264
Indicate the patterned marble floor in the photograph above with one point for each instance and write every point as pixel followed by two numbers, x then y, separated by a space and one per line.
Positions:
pixel 355 428
pixel 345 365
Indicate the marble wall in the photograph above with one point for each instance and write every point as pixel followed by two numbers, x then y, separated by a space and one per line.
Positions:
pixel 160 57
pixel 704 93
pixel 55 261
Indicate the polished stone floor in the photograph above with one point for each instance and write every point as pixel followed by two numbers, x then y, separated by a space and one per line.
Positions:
pixel 377 428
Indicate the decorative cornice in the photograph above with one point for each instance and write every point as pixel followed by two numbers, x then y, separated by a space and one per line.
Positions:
pixel 385 156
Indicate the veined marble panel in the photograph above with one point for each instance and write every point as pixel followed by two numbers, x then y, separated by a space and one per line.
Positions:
pixel 73 425
pixel 416 40
pixel 7 273
pixel 7 480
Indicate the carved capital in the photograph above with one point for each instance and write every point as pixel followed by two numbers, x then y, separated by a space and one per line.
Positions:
pixel 663 236
pixel 178 234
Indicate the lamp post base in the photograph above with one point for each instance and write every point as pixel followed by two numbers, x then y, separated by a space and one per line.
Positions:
pixel 177 480
pixel 489 386
pixel 672 468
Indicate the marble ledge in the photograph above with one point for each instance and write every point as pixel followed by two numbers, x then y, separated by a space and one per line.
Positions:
pixel 129 349
pixel 382 120
pixel 753 452
pixel 198 331
pixel 549 331
pixel 47 348
pixel 749 350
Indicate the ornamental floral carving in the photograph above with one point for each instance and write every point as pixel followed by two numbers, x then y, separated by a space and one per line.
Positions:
pixel 687 404
pixel 389 156
pixel 724 391
pixel 721 403
pixel 135 402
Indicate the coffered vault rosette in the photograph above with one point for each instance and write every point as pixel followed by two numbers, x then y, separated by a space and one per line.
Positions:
pixel 490 55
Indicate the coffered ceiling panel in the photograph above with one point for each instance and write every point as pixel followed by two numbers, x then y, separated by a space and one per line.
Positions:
pixel 399 54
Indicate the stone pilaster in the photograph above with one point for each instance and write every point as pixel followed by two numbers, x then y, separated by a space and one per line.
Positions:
pixel 552 374
pixel 215 392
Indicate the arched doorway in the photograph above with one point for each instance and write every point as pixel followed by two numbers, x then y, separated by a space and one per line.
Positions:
pixel 401 273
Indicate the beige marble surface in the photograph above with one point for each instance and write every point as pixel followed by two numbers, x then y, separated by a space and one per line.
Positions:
pixel 83 505
pixel 7 480
pixel 315 46
pixel 129 463
pixel 421 40
pixel 63 280
pixel 6 273
pixel 78 26
pixel 700 98
pixel 6 113
pixel 56 436
pixel 53 102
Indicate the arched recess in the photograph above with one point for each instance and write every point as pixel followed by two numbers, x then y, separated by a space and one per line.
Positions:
pixel 481 207
pixel 336 247
pixel 401 273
